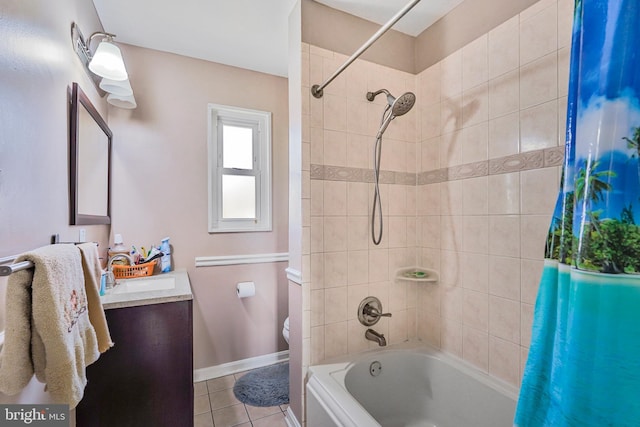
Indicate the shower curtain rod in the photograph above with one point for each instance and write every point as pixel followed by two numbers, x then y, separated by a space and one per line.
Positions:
pixel 316 90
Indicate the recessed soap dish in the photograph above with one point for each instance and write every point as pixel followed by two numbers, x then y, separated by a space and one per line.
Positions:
pixel 417 274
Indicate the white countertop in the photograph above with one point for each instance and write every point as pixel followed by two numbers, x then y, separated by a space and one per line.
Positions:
pixel 181 292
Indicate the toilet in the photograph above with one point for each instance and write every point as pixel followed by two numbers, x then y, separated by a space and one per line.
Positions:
pixel 285 330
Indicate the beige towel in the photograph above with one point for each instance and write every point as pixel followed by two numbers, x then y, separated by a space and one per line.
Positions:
pixel 92 273
pixel 47 327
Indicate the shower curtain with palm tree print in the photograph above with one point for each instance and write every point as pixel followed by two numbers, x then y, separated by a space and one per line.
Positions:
pixel 583 367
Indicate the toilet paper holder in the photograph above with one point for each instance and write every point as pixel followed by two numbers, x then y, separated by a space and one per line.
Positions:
pixel 245 289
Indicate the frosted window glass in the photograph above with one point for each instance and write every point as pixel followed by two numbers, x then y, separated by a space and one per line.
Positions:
pixel 238 196
pixel 237 151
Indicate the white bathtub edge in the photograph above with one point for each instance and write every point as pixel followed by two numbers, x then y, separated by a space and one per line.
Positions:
pixel 330 396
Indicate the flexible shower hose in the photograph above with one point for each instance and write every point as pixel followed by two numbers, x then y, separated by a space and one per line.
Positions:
pixel 377 203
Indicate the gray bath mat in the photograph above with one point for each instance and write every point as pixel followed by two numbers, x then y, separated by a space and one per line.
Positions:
pixel 268 386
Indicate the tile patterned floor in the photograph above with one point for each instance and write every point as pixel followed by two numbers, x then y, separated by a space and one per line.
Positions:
pixel 216 406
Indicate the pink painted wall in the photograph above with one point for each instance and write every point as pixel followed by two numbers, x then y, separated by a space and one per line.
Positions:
pixel 37 66
pixel 160 181
pixel 159 169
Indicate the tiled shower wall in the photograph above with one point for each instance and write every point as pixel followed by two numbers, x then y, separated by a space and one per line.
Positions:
pixel 492 121
pixel 342 265
pixel 469 179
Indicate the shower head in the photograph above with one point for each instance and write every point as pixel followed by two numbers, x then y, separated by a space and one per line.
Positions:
pixel 403 104
pixel 395 107
pixel 400 105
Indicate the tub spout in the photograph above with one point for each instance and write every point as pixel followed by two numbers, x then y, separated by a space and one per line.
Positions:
pixel 372 335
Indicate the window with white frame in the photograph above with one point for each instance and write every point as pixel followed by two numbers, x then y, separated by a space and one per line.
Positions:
pixel 239 169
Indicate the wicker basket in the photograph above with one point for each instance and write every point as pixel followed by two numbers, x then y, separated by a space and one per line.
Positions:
pixel 131 271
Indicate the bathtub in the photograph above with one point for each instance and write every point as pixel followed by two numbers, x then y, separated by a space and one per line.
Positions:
pixel 417 387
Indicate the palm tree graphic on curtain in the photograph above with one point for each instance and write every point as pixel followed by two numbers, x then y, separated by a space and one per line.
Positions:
pixel 591 186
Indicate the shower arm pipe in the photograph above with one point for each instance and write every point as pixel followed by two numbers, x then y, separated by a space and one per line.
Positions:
pixel 317 90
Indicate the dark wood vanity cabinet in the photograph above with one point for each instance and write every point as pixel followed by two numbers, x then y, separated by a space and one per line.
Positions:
pixel 146 379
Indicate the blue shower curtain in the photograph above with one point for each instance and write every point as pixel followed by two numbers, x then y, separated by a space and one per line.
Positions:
pixel 583 367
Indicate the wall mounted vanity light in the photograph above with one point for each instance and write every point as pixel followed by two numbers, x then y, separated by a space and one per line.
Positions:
pixel 107 60
pixel 116 87
pixel 127 102
pixel 106 66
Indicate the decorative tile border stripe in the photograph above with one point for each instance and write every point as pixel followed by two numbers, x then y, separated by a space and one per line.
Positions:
pixel 317 171
pixel 538 159
pixel 406 178
pixel 553 156
pixel 339 173
pixel 334 173
pixel 517 163
pixel 470 170
pixel 432 176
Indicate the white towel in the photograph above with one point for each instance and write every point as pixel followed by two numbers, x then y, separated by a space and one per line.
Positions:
pixel 48 331
pixel 92 273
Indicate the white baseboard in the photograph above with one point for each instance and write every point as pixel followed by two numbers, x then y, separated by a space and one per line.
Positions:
pixel 290 418
pixel 224 369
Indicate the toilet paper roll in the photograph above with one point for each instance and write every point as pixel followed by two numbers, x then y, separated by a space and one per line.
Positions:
pixel 246 289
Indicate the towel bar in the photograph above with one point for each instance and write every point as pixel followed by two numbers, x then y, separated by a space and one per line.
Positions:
pixel 6 270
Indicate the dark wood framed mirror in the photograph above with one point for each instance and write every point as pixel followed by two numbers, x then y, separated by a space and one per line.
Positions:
pixel 90 162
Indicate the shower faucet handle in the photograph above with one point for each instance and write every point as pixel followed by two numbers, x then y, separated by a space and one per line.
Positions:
pixel 370 311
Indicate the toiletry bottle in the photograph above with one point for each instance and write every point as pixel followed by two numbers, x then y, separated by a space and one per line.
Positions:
pixel 165 261
pixel 135 256
pixel 118 248
pixel 103 283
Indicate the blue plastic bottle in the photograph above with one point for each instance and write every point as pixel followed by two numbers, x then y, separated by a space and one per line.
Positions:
pixel 103 283
pixel 165 261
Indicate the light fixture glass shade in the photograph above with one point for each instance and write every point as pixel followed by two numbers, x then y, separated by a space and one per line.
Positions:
pixel 107 62
pixel 116 87
pixel 128 102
